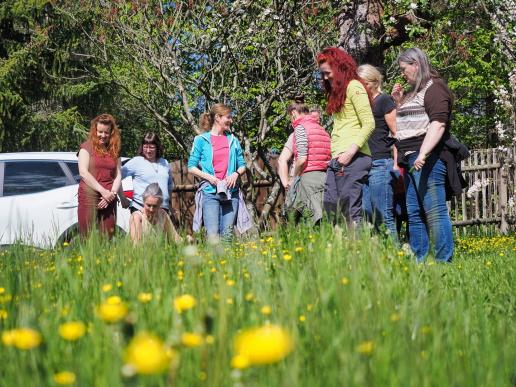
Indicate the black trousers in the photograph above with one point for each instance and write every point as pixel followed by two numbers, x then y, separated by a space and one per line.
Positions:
pixel 343 188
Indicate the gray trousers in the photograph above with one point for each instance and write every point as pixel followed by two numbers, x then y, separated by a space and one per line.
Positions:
pixel 343 188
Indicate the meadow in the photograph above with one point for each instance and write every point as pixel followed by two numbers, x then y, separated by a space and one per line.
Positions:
pixel 332 309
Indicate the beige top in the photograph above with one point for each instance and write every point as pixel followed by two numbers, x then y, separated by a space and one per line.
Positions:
pixel 160 224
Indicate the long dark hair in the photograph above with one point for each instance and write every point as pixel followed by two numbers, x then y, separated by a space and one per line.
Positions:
pixel 151 138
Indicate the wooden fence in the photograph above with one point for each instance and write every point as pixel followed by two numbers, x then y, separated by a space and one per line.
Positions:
pixel 488 200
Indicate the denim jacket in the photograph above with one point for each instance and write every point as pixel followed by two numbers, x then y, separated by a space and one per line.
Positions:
pixel 201 156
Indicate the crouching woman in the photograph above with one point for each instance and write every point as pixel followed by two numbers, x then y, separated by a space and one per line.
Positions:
pixel 152 219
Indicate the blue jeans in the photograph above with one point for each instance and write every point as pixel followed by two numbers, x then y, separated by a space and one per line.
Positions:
pixel 219 215
pixel 427 212
pixel 377 196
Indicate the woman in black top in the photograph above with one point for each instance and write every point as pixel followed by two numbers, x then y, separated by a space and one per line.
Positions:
pixel 377 193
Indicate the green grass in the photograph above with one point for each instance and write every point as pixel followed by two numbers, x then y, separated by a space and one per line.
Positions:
pixel 429 324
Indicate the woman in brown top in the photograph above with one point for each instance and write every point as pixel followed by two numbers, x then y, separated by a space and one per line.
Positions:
pixel 422 125
pixel 99 167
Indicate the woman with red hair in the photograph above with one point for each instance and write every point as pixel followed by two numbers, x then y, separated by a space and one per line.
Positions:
pixel 99 167
pixel 353 122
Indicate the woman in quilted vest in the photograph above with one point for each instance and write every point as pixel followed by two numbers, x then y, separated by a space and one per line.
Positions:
pixel 422 123
pixel 353 122
pixel 311 150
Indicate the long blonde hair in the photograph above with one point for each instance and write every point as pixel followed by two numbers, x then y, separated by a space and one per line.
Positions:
pixel 371 75
pixel 207 119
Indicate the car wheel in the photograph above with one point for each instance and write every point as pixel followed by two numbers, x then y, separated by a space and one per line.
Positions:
pixel 70 236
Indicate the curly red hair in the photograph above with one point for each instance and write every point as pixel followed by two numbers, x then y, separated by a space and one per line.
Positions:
pixel 344 70
pixel 115 142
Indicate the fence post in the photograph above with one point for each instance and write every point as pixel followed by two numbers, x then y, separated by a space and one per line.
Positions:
pixel 504 169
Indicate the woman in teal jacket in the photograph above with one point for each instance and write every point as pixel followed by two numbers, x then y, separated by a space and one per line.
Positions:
pixel 217 158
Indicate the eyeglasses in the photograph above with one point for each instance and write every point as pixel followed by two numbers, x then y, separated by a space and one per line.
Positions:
pixel 149 146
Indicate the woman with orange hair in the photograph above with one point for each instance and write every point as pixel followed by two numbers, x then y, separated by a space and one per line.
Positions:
pixel 99 167
pixel 353 122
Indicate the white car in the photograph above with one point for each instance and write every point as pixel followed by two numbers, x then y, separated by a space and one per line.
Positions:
pixel 38 198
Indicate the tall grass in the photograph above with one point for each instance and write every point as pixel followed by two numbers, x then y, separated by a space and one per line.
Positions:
pixel 360 310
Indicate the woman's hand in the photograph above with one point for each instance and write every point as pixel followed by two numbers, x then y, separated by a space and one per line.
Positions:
pixel 345 158
pixel 102 204
pixel 231 180
pixel 420 162
pixel 212 180
pixel 107 195
pixel 289 184
pixel 397 93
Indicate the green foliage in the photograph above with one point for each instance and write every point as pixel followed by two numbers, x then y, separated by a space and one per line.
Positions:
pixel 460 40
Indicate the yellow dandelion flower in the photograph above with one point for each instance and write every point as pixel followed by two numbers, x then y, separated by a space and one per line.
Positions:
pixel 298 249
pixel 2 290
pixel 240 362
pixel 144 297
pixel 114 300
pixel 395 317
pixel 302 318
pixel 112 310
pixel 8 338
pixel 230 282
pixel 262 345
pixel 229 301
pixel 119 284
pixel 184 302
pixel 106 288
pixel 266 310
pixel 365 348
pixel 210 339
pixel 345 281
pixel 72 330
pixel 191 339
pixel 65 244
pixel 64 377
pixel 3 314
pixel 147 354
pixel 287 257
pixel 24 338
pixel 425 329
pixel 249 297
pixel 489 263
